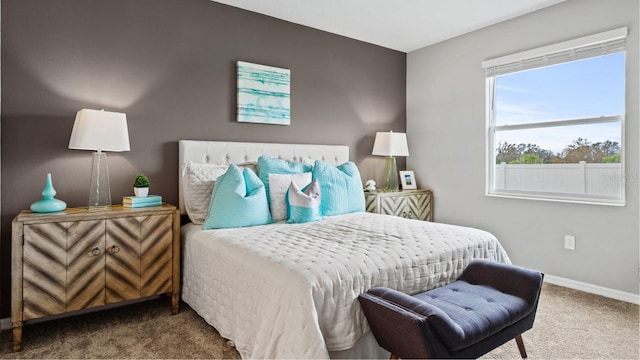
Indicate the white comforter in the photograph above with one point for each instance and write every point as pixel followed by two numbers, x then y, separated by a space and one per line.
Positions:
pixel 290 290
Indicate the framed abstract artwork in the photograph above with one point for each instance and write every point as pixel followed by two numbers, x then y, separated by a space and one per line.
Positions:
pixel 263 94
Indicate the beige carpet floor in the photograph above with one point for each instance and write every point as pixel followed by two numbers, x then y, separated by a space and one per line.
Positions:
pixel 570 325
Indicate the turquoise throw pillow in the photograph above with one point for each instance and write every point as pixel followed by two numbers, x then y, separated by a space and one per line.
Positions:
pixel 238 199
pixel 268 165
pixel 341 188
pixel 304 205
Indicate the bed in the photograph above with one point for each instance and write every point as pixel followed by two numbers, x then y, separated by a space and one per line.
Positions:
pixel 282 290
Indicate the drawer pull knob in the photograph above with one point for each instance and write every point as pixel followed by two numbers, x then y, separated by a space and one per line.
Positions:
pixel 114 249
pixel 95 251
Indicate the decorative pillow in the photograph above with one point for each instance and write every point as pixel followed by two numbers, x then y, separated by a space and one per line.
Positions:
pixel 341 188
pixel 238 200
pixel 278 186
pixel 268 165
pixel 304 205
pixel 197 186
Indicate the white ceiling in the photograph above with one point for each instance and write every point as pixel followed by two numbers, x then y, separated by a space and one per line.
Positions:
pixel 403 25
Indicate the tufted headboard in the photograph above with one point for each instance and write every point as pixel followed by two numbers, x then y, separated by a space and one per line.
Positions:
pixel 227 152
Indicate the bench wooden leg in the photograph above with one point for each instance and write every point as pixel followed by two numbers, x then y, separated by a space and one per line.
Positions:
pixel 393 357
pixel 520 343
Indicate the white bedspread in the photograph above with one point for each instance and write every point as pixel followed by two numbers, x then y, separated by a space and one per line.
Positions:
pixel 290 290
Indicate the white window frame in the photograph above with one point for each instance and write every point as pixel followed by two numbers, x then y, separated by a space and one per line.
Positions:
pixel 607 42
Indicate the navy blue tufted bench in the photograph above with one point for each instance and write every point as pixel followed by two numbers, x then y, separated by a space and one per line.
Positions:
pixel 490 304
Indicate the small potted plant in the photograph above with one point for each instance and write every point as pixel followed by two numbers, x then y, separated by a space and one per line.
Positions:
pixel 141 186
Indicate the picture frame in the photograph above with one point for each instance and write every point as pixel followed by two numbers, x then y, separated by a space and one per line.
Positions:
pixel 408 180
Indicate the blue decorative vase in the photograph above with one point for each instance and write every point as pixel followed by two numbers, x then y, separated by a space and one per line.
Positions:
pixel 48 204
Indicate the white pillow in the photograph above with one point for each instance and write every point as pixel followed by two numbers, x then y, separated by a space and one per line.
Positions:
pixel 197 185
pixel 278 186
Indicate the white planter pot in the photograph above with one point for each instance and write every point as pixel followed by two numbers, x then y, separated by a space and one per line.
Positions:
pixel 141 192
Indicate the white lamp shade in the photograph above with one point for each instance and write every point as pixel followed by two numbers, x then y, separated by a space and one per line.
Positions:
pixel 390 144
pixel 100 130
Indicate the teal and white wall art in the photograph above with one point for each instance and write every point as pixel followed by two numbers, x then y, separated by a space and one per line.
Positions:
pixel 263 94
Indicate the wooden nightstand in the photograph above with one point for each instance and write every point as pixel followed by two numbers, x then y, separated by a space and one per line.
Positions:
pixel 412 204
pixel 79 259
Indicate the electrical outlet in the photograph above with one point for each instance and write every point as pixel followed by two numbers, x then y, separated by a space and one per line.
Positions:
pixel 569 242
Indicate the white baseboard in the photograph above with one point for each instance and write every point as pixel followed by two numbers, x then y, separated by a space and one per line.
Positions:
pixel 593 289
pixel 5 324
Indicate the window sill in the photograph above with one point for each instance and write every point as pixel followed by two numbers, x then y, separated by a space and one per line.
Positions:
pixel 556 198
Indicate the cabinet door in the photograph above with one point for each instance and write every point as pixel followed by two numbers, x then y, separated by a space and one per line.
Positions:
pixel 393 205
pixel 63 267
pixel 85 264
pixel 156 254
pixel 123 259
pixel 44 270
pixel 418 206
pixel 138 257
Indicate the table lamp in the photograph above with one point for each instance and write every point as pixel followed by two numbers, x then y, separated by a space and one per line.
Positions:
pixel 390 144
pixel 99 130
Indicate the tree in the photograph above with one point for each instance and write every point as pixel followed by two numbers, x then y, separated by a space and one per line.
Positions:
pixel 542 154
pixel 583 150
pixel 507 153
pixel 615 158
pixel 513 154
pixel 608 147
pixel 579 150
pixel 605 150
pixel 528 159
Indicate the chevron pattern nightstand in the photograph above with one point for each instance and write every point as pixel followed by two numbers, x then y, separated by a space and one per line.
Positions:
pixel 78 259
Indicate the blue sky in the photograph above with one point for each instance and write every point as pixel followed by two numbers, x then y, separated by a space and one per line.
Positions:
pixel 587 88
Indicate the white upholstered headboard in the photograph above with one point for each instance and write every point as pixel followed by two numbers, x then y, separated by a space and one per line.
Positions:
pixel 227 152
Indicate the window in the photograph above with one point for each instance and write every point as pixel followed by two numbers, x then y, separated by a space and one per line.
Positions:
pixel 555 121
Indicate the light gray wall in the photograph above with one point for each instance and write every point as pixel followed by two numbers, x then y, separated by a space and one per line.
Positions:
pixel 446 132
pixel 170 66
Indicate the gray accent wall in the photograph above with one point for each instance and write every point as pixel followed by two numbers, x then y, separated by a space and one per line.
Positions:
pixel 170 66
pixel 446 128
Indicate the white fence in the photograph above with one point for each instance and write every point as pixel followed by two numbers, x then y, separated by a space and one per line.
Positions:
pixel 598 180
